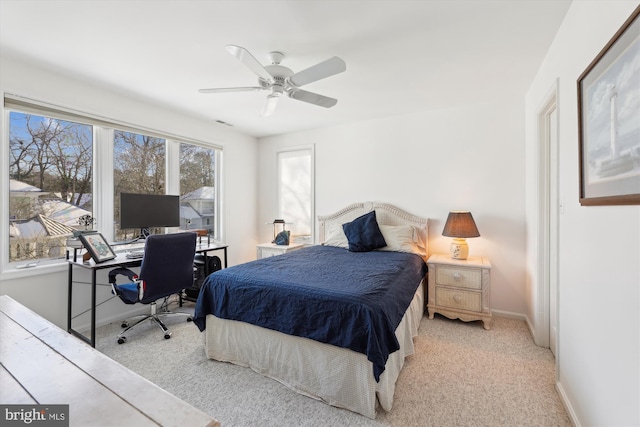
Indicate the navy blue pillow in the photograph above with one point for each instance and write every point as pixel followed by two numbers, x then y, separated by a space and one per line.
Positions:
pixel 363 233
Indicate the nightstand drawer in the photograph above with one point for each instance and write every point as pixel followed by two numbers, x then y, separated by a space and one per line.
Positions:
pixel 463 300
pixel 266 250
pixel 461 278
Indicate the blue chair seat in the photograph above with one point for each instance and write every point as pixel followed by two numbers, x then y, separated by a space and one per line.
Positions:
pixel 128 292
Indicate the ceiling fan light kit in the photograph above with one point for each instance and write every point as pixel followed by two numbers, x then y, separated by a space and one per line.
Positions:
pixel 280 79
pixel 270 105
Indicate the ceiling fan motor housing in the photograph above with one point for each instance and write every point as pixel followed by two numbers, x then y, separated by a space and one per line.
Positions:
pixel 280 76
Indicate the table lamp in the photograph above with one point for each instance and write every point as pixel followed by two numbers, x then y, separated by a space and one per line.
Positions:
pixel 460 225
pixel 276 223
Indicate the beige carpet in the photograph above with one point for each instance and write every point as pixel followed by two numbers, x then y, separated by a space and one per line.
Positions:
pixel 461 375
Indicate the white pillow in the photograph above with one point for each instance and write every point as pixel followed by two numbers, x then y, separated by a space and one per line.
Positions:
pixel 336 236
pixel 400 238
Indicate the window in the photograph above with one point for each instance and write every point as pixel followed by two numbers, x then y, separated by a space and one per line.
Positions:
pixel 295 192
pixel 58 160
pixel 50 184
pixel 197 188
pixel 138 167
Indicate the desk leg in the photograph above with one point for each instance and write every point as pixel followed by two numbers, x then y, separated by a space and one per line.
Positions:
pixel 206 261
pixel 93 306
pixel 69 298
pixel 92 340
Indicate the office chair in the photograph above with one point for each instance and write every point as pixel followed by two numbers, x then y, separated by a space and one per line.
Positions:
pixel 167 269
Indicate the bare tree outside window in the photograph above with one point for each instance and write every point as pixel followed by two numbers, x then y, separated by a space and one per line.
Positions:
pixel 51 173
pixel 139 167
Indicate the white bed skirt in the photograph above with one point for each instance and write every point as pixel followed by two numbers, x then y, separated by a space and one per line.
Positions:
pixel 335 375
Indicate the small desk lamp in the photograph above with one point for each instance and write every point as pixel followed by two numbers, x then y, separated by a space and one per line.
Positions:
pixel 276 223
pixel 460 225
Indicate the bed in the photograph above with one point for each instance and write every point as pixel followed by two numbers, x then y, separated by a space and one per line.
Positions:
pixel 348 345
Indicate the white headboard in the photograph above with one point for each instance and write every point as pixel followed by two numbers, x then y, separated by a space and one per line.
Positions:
pixel 386 214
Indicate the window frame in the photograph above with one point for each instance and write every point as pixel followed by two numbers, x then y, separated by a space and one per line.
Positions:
pixel 102 180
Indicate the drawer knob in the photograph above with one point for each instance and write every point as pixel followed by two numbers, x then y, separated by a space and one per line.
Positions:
pixel 457 298
pixel 457 276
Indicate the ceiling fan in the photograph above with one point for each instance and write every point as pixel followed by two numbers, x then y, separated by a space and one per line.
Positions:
pixel 279 79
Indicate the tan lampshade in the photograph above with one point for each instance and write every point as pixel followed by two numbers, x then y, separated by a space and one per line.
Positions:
pixel 460 224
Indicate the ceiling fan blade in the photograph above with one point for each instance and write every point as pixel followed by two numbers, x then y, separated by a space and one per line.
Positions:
pixel 230 89
pixel 313 98
pixel 270 105
pixel 249 61
pixel 319 71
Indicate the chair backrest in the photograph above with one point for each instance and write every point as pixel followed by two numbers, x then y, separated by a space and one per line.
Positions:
pixel 167 266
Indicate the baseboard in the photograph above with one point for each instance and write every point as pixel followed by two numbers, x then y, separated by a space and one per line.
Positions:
pixel 567 405
pixel 509 314
pixel 139 309
pixel 518 316
pixel 126 311
pixel 530 326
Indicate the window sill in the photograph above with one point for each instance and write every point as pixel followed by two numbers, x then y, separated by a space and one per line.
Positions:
pixel 15 271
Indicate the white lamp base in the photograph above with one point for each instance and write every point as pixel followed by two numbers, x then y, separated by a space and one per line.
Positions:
pixel 459 249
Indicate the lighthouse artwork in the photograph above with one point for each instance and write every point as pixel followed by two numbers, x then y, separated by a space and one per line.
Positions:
pixel 609 121
pixel 614 161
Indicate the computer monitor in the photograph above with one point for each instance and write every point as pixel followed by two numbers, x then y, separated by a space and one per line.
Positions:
pixel 145 211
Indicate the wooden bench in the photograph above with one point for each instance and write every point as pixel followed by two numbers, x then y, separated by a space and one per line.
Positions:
pixel 43 364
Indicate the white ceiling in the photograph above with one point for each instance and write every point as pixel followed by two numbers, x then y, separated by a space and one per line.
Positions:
pixel 401 56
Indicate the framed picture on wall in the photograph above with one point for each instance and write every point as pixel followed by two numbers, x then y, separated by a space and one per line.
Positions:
pixel 609 121
pixel 97 246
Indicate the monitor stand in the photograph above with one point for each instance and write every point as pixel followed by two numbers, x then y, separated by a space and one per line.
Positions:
pixel 144 233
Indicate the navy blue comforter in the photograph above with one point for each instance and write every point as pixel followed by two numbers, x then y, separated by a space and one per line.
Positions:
pixel 348 299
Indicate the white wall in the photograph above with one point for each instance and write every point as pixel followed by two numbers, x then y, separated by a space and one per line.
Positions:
pixel 471 157
pixel 44 290
pixel 599 255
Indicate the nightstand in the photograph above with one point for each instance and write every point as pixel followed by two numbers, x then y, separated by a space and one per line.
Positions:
pixel 460 289
pixel 266 250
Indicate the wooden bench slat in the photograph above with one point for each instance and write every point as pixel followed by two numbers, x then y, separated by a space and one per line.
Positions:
pixel 52 379
pixel 11 392
pixel 32 349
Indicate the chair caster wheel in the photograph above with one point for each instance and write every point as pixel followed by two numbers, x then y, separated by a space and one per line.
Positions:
pixel 189 319
pixel 124 324
pixel 122 340
pixel 167 336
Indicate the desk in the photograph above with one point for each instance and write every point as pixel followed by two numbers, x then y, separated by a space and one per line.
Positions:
pixel 120 261
pixel 40 364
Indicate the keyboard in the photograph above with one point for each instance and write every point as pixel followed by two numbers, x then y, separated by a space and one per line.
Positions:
pixel 135 254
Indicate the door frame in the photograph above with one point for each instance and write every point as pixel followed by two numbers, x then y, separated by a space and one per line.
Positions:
pixel 547 294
